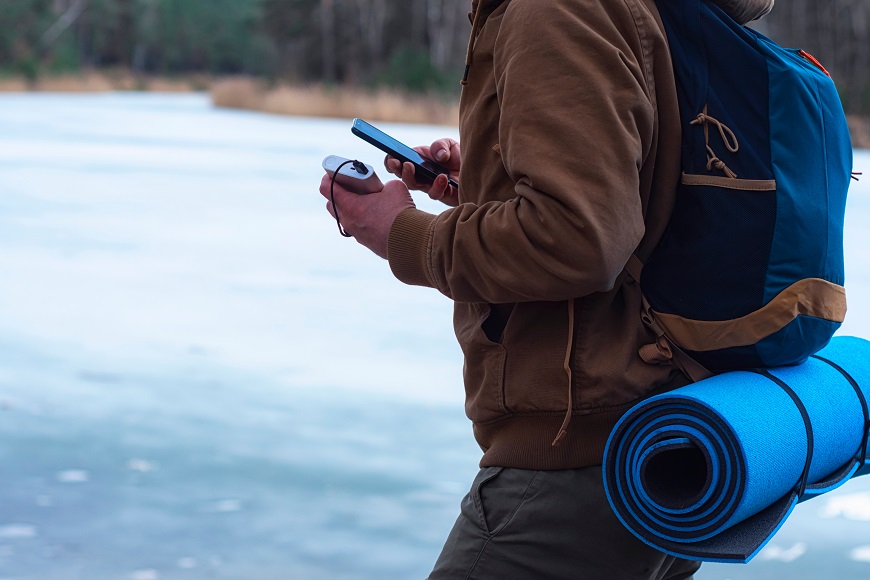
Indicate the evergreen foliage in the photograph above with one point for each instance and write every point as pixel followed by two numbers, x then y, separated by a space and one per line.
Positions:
pixel 362 42
pixel 417 45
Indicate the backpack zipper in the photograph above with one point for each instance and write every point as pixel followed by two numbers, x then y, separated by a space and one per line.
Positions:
pixel 813 60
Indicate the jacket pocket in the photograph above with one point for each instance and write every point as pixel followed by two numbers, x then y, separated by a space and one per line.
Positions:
pixel 484 366
pixel 535 340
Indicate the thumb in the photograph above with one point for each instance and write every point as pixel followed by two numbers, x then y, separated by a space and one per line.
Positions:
pixel 442 150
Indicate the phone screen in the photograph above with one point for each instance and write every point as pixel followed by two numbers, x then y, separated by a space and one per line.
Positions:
pixel 393 145
pixel 426 168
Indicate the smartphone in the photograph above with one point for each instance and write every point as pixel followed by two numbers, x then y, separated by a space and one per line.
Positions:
pixel 425 170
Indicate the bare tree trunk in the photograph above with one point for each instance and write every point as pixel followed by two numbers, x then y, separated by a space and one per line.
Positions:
pixel 437 40
pixel 329 65
pixel 444 18
pixel 825 29
pixel 799 11
pixel 373 22
pixel 837 32
pixel 447 30
pixel 857 66
pixel 419 23
pixel 144 37
pixel 67 19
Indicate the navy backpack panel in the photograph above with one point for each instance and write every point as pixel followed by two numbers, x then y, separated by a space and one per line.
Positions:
pixel 750 270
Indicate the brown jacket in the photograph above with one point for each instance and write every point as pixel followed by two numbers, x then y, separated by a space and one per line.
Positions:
pixel 570 158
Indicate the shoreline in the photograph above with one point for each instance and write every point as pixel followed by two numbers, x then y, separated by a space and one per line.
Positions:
pixel 383 104
pixel 104 81
pixel 250 94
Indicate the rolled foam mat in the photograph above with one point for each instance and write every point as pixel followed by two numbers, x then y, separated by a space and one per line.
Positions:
pixel 711 471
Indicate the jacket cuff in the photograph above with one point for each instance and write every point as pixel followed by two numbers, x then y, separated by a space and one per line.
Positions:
pixel 408 247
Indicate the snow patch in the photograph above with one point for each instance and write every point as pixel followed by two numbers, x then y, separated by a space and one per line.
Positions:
pixel 855 506
pixel 141 465
pixel 73 476
pixel 780 554
pixel 17 532
pixel 226 506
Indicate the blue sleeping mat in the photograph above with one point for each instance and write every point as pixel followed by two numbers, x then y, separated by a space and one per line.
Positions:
pixel 711 471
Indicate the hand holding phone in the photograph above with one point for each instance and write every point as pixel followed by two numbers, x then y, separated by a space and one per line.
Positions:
pixel 425 170
pixel 446 151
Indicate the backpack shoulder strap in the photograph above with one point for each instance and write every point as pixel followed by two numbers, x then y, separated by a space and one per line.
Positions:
pixel 663 349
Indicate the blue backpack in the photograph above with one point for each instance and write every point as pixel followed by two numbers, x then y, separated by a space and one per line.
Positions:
pixel 749 273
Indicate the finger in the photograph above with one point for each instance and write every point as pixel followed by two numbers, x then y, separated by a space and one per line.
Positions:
pixel 327 188
pixel 424 150
pixel 330 209
pixel 325 184
pixel 393 165
pixel 440 150
pixel 439 188
pixel 409 175
pixel 446 152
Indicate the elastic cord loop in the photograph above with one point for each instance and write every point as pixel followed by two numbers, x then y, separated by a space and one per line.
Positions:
pixel 802 483
pixel 863 449
pixel 332 198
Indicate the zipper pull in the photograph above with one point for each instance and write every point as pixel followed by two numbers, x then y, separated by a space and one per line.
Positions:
pixel 813 60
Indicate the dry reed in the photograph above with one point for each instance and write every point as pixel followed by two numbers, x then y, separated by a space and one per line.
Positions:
pixel 12 85
pixel 311 101
pixel 859 127
pixel 318 101
pixel 84 83
pixel 104 81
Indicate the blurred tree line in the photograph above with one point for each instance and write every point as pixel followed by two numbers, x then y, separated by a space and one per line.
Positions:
pixel 414 44
pixel 837 32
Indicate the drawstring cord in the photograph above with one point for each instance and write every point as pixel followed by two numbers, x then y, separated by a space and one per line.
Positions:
pixel 475 28
pixel 730 141
pixel 712 159
pixel 563 430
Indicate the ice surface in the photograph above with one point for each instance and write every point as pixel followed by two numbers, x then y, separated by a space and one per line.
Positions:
pixel 155 231
pixel 200 378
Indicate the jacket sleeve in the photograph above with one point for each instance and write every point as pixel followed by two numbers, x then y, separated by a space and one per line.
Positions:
pixel 576 124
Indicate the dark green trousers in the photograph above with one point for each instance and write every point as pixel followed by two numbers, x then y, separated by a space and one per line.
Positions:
pixel 540 525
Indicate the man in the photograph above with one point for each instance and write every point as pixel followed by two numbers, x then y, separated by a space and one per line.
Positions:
pixel 569 162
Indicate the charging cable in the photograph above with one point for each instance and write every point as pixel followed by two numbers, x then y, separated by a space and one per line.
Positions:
pixel 361 168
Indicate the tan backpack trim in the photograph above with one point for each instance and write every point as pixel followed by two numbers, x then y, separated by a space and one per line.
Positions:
pixel 730 183
pixel 808 297
pixel 663 350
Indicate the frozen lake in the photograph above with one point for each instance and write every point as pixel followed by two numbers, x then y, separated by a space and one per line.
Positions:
pixel 199 378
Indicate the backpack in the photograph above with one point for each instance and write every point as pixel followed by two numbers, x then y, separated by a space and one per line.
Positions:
pixel 749 272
